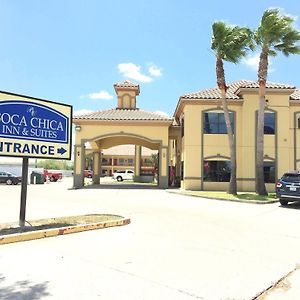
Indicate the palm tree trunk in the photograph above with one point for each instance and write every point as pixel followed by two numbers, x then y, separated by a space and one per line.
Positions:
pixel 222 86
pixel 232 183
pixel 262 78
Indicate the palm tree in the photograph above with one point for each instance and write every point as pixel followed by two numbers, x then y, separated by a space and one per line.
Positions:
pixel 275 34
pixel 229 43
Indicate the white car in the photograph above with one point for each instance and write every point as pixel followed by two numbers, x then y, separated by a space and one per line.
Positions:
pixel 123 175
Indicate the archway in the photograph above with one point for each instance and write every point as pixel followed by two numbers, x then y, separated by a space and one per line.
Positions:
pixel 101 142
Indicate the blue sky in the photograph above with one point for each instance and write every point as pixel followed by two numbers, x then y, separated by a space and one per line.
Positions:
pixel 73 51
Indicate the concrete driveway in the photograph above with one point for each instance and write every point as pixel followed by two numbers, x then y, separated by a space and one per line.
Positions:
pixel 176 247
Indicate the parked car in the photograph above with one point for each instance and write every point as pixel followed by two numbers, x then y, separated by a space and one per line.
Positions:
pixel 123 175
pixel 288 187
pixel 88 173
pixel 9 178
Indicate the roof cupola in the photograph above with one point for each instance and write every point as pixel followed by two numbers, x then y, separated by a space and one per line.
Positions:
pixel 126 92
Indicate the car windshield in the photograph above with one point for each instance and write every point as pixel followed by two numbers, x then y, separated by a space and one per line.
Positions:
pixel 291 177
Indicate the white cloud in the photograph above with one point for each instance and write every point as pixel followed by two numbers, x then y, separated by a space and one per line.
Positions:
pixel 132 71
pixel 103 95
pixel 81 112
pixel 162 113
pixel 284 13
pixel 252 61
pixel 155 71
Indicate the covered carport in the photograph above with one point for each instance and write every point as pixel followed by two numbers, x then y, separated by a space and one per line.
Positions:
pixel 125 124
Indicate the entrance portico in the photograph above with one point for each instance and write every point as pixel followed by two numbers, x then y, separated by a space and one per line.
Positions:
pixel 125 124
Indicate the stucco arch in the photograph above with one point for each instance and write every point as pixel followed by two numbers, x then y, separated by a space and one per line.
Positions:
pixel 104 137
pixel 106 141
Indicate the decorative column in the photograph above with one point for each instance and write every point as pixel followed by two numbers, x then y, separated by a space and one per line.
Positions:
pixel 178 160
pixel 137 165
pixel 96 167
pixel 79 164
pixel 163 167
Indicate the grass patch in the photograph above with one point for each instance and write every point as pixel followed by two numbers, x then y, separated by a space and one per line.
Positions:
pixel 240 196
pixel 10 228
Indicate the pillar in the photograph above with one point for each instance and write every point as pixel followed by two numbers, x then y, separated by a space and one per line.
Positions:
pixel 178 161
pixel 163 167
pixel 137 165
pixel 79 164
pixel 96 167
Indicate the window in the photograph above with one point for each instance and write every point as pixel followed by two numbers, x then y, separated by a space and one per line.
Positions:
pixel 269 171
pixel 291 177
pixel 214 123
pixel 216 170
pixel 130 161
pixel 269 127
pixel 105 161
pixel 121 161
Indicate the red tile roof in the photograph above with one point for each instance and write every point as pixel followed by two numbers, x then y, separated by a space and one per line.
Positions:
pixel 295 95
pixel 126 84
pixel 123 114
pixel 127 150
pixel 232 90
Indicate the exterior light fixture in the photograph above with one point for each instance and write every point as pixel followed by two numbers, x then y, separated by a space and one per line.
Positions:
pixel 77 127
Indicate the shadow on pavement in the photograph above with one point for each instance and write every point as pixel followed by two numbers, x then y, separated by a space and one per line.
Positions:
pixel 292 205
pixel 24 290
pixel 121 186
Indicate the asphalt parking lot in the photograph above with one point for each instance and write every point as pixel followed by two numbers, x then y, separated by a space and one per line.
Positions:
pixel 176 247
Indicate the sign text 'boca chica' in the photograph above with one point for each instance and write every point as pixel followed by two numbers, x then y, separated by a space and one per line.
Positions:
pixel 32 121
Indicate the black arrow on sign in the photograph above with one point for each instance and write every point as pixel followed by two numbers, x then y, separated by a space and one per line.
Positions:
pixel 61 150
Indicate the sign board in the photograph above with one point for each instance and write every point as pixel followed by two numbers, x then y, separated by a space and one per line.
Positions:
pixel 31 127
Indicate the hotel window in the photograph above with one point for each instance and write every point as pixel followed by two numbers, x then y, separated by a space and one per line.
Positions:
pixel 269 127
pixel 105 161
pixel 216 170
pixel 130 161
pixel 269 171
pixel 214 122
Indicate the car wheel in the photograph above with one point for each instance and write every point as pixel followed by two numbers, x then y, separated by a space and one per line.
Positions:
pixel 9 182
pixel 119 178
pixel 52 179
pixel 16 182
pixel 283 202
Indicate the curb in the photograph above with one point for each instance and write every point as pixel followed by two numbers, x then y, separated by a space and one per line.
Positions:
pixel 39 234
pixel 224 199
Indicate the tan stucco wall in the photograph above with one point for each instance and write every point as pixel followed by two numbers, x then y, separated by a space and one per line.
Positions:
pixel 92 132
pixel 126 99
pixel 192 145
pixel 279 146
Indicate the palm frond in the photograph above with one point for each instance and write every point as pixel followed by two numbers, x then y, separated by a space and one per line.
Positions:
pixel 231 43
pixel 277 33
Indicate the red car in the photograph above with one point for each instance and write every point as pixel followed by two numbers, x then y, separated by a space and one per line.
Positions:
pixel 88 173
